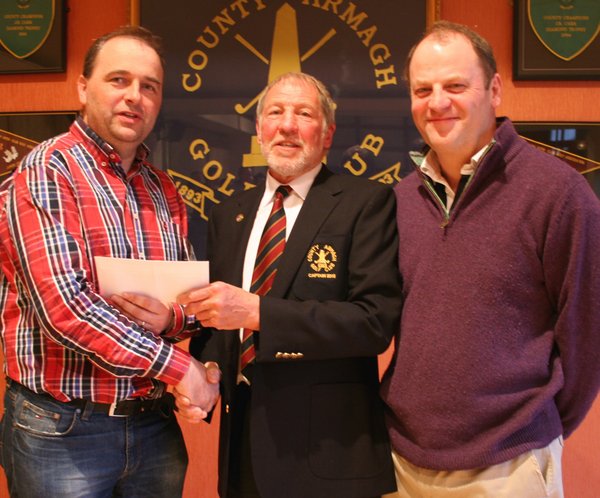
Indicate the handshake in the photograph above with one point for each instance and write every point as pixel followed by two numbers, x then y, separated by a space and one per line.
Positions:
pixel 223 307
pixel 198 392
pixel 218 305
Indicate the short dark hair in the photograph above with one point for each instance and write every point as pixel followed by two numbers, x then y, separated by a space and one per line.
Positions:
pixel 138 32
pixel 442 29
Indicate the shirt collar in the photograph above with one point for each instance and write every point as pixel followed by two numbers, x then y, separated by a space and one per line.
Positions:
pixel 141 155
pixel 300 185
pixel 431 166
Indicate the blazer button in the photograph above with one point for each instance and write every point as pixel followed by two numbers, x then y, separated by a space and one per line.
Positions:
pixel 279 355
pixel 227 408
pixel 286 356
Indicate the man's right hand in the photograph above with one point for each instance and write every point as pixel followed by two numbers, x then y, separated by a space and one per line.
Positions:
pixel 198 392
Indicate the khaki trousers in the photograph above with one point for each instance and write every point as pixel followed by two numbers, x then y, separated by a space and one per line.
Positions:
pixel 534 474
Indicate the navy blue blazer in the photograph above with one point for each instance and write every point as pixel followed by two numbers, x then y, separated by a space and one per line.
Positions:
pixel 317 424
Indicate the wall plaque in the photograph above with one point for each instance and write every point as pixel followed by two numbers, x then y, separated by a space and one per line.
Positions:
pixel 32 36
pixel 557 40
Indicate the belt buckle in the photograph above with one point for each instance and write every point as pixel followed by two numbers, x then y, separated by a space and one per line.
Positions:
pixel 111 410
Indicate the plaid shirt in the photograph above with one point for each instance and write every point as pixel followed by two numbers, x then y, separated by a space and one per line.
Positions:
pixel 68 201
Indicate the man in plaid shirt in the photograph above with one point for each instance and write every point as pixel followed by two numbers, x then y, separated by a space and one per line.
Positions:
pixel 86 409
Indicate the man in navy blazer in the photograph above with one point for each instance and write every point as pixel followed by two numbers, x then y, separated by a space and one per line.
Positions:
pixel 307 421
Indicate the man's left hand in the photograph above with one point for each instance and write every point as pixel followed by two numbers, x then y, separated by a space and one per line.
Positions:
pixel 146 311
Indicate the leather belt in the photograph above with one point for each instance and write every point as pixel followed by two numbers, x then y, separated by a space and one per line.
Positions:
pixel 124 408
pixel 129 407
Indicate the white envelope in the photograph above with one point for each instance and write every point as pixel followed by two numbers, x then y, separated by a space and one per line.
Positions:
pixel 163 280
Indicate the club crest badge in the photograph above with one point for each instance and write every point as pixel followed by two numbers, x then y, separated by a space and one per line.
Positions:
pixel 322 259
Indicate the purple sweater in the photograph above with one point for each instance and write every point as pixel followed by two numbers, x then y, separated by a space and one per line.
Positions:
pixel 499 346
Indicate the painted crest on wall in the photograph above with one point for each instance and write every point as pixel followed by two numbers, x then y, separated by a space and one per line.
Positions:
pixel 222 53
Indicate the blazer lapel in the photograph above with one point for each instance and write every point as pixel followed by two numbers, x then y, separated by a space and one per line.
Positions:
pixel 242 214
pixel 321 199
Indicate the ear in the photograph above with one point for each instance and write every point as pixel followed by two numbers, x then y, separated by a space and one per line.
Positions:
pixel 496 89
pixel 82 89
pixel 328 139
pixel 258 134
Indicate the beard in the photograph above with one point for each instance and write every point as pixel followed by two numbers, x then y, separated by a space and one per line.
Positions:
pixel 286 167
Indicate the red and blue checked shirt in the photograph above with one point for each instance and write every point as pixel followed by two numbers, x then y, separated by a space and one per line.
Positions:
pixel 68 201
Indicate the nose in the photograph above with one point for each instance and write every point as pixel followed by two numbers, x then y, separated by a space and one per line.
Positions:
pixel 132 93
pixel 289 122
pixel 438 100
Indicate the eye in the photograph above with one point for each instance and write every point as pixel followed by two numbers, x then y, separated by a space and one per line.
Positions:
pixel 150 87
pixel 422 91
pixel 456 87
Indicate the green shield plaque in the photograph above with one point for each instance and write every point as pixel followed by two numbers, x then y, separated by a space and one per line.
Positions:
pixel 25 25
pixel 565 27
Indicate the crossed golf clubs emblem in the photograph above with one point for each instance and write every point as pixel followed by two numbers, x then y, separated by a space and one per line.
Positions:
pixel 243 109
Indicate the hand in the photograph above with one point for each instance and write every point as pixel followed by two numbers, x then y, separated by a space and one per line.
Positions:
pixel 185 408
pixel 198 391
pixel 213 372
pixel 223 306
pixel 146 311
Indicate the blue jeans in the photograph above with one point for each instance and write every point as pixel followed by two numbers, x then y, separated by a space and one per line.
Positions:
pixel 50 449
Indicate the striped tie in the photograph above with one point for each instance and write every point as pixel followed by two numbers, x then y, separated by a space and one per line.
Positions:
pixel 270 249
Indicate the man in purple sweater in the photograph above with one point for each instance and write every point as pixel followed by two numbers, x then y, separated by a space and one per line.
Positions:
pixel 498 354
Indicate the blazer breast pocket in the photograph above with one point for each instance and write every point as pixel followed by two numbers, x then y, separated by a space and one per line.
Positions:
pixel 323 273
